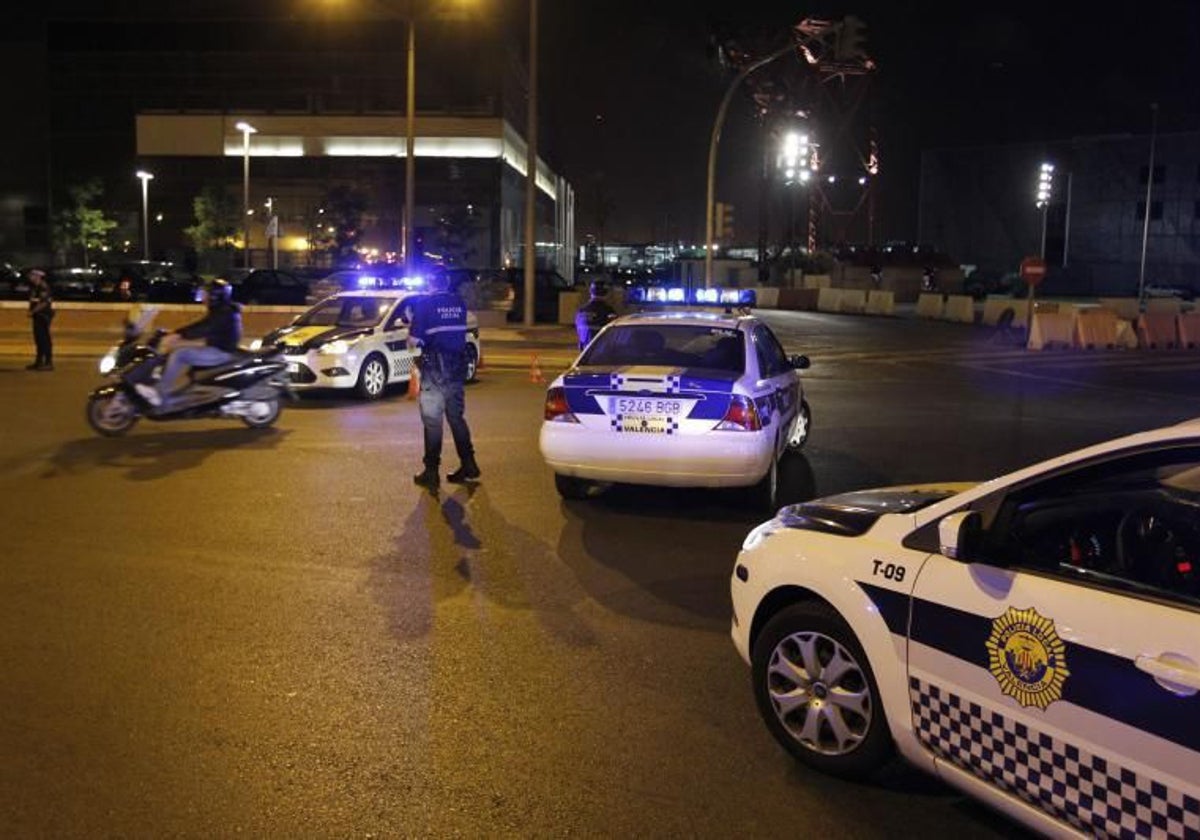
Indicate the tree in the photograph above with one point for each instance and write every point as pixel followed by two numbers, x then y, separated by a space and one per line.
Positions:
pixel 344 208
pixel 454 234
pixel 80 223
pixel 217 220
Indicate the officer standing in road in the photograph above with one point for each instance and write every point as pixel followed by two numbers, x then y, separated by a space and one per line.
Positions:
pixel 439 331
pixel 593 315
pixel 41 313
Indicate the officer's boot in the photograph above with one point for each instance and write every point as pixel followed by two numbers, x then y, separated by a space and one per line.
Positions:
pixel 468 471
pixel 428 478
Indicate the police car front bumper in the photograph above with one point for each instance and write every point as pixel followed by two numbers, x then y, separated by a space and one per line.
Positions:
pixel 314 370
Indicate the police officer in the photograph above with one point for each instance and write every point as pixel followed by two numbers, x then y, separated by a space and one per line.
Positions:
pixel 593 315
pixel 439 331
pixel 41 313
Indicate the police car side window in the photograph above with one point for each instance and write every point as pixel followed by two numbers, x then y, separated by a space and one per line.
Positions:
pixel 771 359
pixel 1131 524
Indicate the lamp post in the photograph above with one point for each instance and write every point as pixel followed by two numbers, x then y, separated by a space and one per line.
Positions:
pixel 146 178
pixel 1149 192
pixel 531 169
pixel 1045 189
pixel 246 130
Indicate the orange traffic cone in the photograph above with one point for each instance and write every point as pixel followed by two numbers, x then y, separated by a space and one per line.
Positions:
pixel 414 383
pixel 535 370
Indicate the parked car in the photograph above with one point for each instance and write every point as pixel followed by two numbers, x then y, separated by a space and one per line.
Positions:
pixel 11 284
pixel 69 283
pixel 268 286
pixel 161 282
pixel 548 284
pixel 1032 640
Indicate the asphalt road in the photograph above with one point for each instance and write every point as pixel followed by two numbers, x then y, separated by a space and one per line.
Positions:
pixel 209 631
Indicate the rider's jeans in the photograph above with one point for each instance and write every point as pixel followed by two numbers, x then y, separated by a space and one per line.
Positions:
pixel 189 357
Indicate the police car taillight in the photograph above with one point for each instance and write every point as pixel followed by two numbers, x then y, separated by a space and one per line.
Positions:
pixel 741 416
pixel 557 410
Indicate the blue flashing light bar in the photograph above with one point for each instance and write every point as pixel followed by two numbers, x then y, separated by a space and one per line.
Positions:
pixel 678 296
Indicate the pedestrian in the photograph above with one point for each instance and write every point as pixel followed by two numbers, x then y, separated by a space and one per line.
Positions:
pixel 593 315
pixel 439 331
pixel 41 313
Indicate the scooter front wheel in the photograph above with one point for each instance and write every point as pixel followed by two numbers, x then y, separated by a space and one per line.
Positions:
pixel 262 413
pixel 111 415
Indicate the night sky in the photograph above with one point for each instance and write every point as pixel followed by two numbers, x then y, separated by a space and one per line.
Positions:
pixel 629 89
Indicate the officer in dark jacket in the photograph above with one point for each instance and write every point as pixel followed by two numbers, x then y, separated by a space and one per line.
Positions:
pixel 439 331
pixel 593 315
pixel 214 341
pixel 41 313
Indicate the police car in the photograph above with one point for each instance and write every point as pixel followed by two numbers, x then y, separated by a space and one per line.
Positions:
pixel 357 339
pixel 1033 640
pixel 676 398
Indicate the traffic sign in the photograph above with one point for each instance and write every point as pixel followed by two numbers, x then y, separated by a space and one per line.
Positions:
pixel 1033 270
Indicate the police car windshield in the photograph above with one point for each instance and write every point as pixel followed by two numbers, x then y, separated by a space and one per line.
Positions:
pixel 670 345
pixel 351 311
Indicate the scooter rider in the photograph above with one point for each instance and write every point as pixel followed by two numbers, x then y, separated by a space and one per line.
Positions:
pixel 211 341
pixel 594 314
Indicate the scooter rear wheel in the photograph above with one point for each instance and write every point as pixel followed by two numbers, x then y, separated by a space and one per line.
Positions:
pixel 111 415
pixel 265 412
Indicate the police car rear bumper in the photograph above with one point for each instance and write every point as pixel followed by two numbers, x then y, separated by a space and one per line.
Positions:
pixel 714 459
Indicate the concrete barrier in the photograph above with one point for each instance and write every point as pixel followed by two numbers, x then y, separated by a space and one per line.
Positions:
pixel 1187 324
pixel 1171 306
pixel 805 299
pixel 1051 329
pixel 109 317
pixel 994 306
pixel 959 308
pixel 829 299
pixel 930 305
pixel 1096 329
pixel 1126 308
pixel 816 281
pixel 881 302
pixel 568 305
pixel 1156 330
pixel 853 301
pixel 768 298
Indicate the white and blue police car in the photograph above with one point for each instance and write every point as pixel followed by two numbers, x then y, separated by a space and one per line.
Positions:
pixel 1033 640
pixel 687 398
pixel 357 340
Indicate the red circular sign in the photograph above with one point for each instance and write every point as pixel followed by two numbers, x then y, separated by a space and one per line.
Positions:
pixel 1033 270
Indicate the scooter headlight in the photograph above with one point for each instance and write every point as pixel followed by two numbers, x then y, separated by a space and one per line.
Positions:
pixel 256 345
pixel 108 362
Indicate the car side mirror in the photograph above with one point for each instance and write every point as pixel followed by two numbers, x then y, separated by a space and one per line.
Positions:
pixel 960 535
pixel 800 362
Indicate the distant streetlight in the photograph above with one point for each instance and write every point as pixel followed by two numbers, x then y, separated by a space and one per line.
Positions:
pixel 531 169
pixel 1149 192
pixel 146 178
pixel 1045 191
pixel 246 130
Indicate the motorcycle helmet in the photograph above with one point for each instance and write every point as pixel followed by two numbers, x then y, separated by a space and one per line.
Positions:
pixel 219 291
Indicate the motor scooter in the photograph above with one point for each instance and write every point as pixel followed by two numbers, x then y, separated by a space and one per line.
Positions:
pixel 250 387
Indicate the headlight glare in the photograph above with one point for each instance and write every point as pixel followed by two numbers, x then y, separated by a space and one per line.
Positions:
pixel 108 362
pixel 335 348
pixel 256 345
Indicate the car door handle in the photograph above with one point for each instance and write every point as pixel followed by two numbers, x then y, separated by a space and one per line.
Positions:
pixel 1177 674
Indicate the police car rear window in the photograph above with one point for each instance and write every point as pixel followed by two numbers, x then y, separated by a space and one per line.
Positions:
pixel 669 345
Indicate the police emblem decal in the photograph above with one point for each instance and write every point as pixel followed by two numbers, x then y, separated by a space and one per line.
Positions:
pixel 1027 657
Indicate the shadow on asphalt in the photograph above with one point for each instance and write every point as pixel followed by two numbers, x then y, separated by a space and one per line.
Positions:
pixel 145 456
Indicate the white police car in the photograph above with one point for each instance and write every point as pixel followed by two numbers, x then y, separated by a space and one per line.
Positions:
pixel 358 340
pixel 688 398
pixel 1034 640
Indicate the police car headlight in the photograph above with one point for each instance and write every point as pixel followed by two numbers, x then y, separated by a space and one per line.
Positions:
pixel 335 348
pixel 256 345
pixel 108 362
pixel 759 535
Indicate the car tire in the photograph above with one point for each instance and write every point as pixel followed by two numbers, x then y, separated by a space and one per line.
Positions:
pixel 807 651
pixel 572 488
pixel 372 377
pixel 764 494
pixel 801 426
pixel 472 363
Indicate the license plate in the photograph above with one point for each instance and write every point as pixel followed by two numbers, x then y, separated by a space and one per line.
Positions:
pixel 293 367
pixel 647 424
pixel 646 406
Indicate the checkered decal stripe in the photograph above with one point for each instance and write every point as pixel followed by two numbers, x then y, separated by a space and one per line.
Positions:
pixel 1085 790
pixel 670 383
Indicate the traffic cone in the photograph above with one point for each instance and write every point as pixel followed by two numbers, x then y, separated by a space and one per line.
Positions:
pixel 535 371
pixel 414 383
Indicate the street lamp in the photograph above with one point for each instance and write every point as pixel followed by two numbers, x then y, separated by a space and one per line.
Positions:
pixel 1045 189
pixel 246 130
pixel 531 169
pixel 145 177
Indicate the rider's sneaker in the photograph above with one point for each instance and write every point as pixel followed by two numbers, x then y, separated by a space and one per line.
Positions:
pixel 149 394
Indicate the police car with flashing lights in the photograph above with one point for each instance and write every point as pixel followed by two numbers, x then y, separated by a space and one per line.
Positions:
pixel 1034 640
pixel 357 339
pixel 676 398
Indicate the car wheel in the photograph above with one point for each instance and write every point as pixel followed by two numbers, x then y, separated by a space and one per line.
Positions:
pixel 111 415
pixel 472 362
pixel 372 378
pixel 800 427
pixel 764 494
pixel 817 694
pixel 570 487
